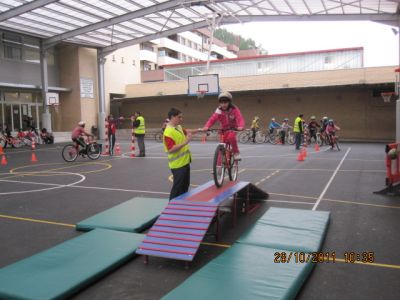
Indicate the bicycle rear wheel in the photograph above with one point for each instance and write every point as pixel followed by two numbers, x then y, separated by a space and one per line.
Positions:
pixel 17 143
pixel 219 166
pixel 93 151
pixel 260 137
pixel 290 138
pixel 69 153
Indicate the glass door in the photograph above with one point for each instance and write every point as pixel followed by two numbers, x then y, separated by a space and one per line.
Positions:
pixel 16 116
pixel 8 116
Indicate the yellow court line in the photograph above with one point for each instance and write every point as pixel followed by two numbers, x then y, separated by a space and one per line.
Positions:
pixel 369 264
pixel 42 173
pixel 203 243
pixel 216 245
pixel 294 196
pixel 36 221
pixel 357 203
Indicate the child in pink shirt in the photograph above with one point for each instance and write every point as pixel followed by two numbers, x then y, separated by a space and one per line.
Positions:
pixel 230 117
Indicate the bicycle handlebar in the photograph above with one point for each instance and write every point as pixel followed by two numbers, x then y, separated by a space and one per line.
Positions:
pixel 221 130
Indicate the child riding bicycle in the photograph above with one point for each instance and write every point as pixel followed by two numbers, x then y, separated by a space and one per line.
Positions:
pixel 77 136
pixel 330 131
pixel 230 117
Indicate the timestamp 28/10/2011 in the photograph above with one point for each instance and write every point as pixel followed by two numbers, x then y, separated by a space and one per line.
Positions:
pixel 323 257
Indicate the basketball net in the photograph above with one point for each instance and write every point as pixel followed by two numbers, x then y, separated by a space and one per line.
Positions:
pixel 201 94
pixel 386 96
pixel 56 108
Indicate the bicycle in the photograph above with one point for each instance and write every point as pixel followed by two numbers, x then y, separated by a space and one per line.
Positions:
pixel 245 136
pixel 224 160
pixel 92 149
pixel 333 141
pixel 14 142
pixel 159 136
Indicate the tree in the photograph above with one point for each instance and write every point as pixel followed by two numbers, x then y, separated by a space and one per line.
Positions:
pixel 232 39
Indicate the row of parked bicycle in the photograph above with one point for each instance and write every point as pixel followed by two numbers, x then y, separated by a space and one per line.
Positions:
pixel 277 137
pixel 25 139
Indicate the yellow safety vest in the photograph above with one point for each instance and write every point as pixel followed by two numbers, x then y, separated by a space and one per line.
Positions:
pixel 179 158
pixel 296 127
pixel 140 128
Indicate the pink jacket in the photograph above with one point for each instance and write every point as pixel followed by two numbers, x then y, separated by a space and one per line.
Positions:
pixel 232 118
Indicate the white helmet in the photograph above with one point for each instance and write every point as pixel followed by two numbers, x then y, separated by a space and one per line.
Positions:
pixel 81 123
pixel 225 95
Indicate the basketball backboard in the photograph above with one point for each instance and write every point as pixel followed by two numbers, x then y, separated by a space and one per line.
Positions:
pixel 203 84
pixel 52 99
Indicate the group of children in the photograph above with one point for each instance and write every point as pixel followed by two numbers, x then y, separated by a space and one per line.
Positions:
pixel 326 127
pixel 45 136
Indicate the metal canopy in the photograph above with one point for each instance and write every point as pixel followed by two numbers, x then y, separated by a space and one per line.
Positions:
pixel 112 24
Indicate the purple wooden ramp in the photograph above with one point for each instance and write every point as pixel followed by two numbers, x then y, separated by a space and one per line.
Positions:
pixel 181 227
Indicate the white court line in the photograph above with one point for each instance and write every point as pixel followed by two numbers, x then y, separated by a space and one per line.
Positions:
pixel 54 185
pixel 330 180
pixel 115 189
pixel 291 202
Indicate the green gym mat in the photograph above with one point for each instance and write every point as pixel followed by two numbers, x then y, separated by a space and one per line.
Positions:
pixel 135 215
pixel 61 271
pixel 244 272
pixel 288 229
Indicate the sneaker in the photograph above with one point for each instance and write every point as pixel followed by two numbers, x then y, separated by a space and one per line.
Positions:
pixel 236 156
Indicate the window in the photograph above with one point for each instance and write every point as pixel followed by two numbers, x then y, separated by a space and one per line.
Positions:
pixel 328 59
pixel 12 46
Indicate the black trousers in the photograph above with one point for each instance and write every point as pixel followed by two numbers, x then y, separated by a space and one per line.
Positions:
pixel 298 136
pixel 181 181
pixel 140 142
pixel 111 141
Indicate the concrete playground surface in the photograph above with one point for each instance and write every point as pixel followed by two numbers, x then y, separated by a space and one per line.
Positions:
pixel 41 202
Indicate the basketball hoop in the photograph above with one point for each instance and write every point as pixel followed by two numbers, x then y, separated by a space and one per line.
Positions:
pixel 387 96
pixel 201 94
pixel 56 108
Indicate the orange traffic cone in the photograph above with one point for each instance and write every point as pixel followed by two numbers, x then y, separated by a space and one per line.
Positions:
pixel 33 158
pixel 133 151
pixel 33 144
pixel 117 149
pixel 304 152
pixel 300 157
pixel 1 150
pixel 316 147
pixel 3 160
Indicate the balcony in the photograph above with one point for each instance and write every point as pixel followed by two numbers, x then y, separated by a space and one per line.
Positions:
pixel 166 60
pixel 151 76
pixel 148 56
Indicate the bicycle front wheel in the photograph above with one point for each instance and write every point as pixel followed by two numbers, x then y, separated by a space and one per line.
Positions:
pixel 219 166
pixel 69 153
pixel 158 137
pixel 273 138
pixel 244 137
pixel 233 169
pixel 93 151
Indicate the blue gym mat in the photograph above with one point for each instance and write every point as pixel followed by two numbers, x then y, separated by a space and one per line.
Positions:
pixel 61 271
pixel 135 215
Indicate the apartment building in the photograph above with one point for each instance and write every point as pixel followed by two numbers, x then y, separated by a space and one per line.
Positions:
pixel 185 47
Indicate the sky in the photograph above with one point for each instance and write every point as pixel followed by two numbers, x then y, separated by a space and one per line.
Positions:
pixel 381 45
